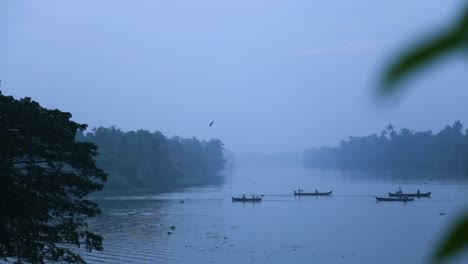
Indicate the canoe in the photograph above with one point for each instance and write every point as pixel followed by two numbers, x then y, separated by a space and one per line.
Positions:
pixel 428 194
pixel 313 193
pixel 240 199
pixel 398 199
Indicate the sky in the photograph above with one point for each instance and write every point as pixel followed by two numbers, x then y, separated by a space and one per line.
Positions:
pixel 273 75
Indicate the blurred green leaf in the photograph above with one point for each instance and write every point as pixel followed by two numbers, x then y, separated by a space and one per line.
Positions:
pixel 419 57
pixel 426 53
pixel 451 40
pixel 456 240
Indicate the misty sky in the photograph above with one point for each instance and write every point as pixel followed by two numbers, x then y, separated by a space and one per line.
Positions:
pixel 274 75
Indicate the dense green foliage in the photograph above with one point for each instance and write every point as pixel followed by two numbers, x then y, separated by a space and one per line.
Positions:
pixel 45 176
pixel 449 41
pixel 145 160
pixel 392 150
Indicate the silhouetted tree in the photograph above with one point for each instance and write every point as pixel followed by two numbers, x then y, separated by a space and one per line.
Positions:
pixel 45 176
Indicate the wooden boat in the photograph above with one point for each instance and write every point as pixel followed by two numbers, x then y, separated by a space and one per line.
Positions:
pixel 394 199
pixel 242 199
pixel 312 193
pixel 428 194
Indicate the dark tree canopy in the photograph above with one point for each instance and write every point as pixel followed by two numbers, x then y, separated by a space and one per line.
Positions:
pixel 149 160
pixel 446 150
pixel 45 176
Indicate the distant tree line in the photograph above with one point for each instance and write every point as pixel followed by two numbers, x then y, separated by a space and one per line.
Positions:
pixel 145 160
pixel 392 150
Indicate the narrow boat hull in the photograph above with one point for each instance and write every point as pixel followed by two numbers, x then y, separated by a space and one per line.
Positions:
pixel 247 200
pixel 312 193
pixel 383 199
pixel 428 194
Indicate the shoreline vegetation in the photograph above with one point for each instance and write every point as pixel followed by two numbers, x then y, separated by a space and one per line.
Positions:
pixel 405 150
pixel 151 162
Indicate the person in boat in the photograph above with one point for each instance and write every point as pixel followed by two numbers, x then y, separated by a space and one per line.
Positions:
pixel 399 190
pixel 243 196
pixel 418 192
pixel 316 191
pixel 253 196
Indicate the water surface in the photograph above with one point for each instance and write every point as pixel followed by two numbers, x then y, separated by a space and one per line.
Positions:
pixel 348 227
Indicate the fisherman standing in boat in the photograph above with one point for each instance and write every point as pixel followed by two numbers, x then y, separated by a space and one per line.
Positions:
pixel 399 190
pixel 418 192
pixel 243 196
pixel 316 191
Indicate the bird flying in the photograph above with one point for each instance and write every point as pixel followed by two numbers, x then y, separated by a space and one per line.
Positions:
pixel 211 123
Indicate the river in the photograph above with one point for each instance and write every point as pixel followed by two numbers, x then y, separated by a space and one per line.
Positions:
pixel 203 225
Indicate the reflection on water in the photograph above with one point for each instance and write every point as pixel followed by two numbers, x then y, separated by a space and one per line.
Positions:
pixel 408 176
pixel 348 227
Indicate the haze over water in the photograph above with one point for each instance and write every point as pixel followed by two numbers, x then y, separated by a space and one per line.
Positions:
pixel 175 88
pixel 348 227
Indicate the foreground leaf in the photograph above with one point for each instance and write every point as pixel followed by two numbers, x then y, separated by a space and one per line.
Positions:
pixel 426 53
pixel 456 240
